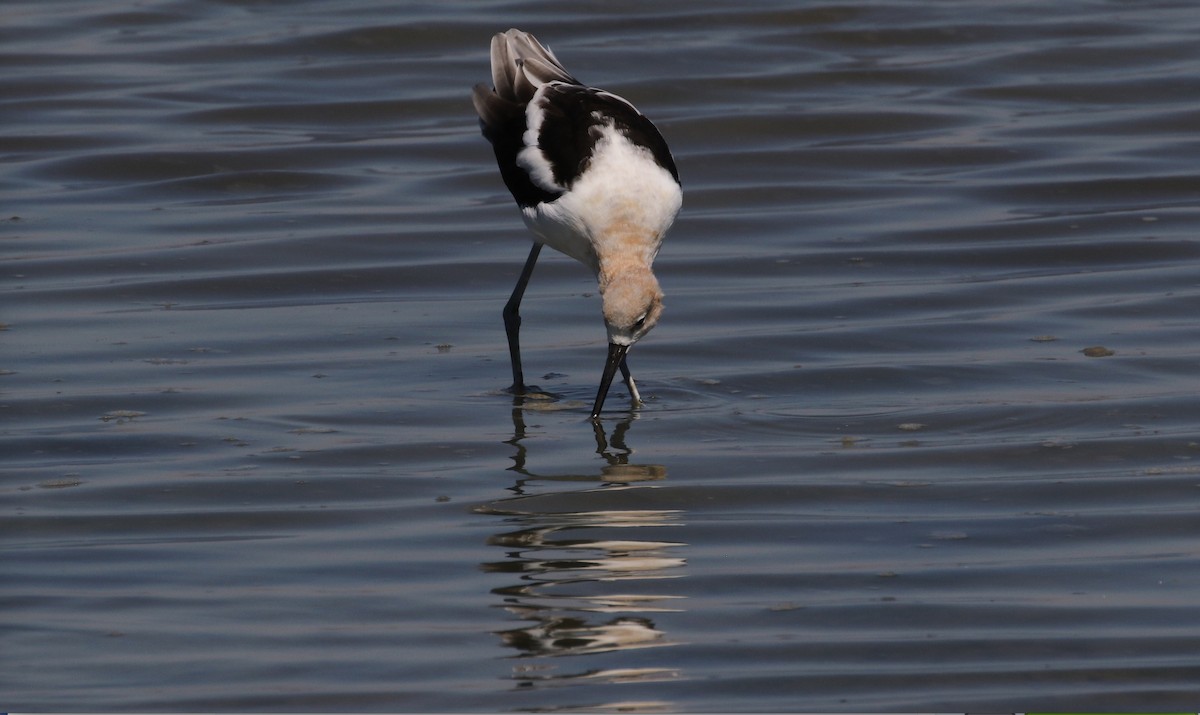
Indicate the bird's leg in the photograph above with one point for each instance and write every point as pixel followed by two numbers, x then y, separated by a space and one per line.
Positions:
pixel 634 395
pixel 512 320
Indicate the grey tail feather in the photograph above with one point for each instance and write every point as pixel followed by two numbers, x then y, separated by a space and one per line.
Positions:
pixel 521 64
pixel 490 108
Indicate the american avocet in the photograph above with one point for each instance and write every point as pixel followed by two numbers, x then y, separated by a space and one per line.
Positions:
pixel 594 180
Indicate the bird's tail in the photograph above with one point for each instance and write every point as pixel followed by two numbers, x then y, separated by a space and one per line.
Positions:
pixel 521 64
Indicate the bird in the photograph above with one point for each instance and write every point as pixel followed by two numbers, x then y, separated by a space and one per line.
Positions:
pixel 593 178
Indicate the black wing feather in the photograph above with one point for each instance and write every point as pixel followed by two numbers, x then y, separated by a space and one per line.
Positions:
pixel 573 115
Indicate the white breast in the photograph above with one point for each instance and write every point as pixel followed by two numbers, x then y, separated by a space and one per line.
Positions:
pixel 624 192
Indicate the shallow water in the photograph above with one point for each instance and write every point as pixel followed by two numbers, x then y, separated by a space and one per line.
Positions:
pixel 256 453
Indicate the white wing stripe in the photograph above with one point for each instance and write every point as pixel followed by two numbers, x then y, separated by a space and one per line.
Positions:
pixel 531 159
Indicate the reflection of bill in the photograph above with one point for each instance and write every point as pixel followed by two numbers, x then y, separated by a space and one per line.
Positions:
pixel 568 550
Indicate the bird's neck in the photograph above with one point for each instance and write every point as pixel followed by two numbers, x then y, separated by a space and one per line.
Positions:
pixel 624 268
pixel 625 250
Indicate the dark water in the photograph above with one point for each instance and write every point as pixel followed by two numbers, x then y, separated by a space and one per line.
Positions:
pixel 255 453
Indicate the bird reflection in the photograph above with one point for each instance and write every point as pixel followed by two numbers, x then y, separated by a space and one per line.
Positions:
pixel 612 450
pixel 581 564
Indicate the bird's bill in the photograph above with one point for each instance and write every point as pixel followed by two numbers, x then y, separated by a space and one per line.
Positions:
pixel 616 353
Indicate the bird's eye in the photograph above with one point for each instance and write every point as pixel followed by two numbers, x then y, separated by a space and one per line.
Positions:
pixel 640 322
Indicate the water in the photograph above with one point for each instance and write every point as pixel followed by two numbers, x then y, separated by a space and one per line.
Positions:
pixel 255 449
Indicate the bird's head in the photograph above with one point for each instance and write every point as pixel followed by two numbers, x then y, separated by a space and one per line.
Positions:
pixel 632 305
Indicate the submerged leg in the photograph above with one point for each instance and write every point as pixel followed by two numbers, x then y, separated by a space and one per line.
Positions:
pixel 512 319
pixel 634 395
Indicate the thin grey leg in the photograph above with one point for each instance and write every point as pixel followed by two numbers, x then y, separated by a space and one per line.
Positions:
pixel 633 391
pixel 512 319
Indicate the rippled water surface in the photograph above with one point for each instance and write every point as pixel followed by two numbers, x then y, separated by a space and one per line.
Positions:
pixel 922 425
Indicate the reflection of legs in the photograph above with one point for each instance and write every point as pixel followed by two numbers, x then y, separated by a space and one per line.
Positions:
pixel 518 420
pixel 633 391
pixel 512 320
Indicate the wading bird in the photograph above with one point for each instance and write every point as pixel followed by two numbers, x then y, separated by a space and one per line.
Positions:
pixel 594 179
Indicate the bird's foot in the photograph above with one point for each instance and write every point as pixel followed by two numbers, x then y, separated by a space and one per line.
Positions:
pixel 530 392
